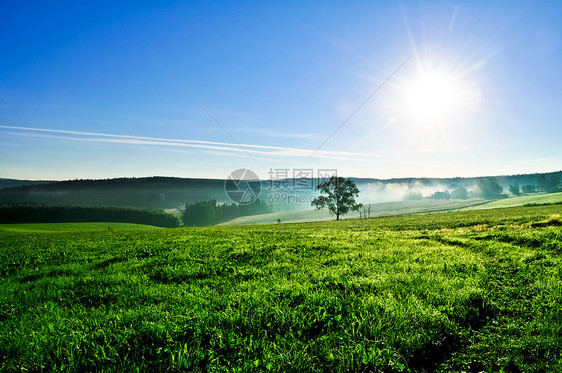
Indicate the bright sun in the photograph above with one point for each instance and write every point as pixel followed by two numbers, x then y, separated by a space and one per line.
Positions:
pixel 433 98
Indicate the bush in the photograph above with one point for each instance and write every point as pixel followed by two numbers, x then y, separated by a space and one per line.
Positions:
pixel 441 195
pixel 459 193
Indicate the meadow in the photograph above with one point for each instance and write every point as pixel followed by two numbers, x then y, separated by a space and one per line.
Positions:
pixel 73 227
pixel 460 291
pixel 530 200
pixel 376 210
pixel 425 205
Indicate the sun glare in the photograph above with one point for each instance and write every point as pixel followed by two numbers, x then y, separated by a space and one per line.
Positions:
pixel 433 97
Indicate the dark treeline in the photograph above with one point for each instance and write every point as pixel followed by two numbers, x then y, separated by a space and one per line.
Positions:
pixel 549 182
pixel 12 183
pixel 147 193
pixel 523 179
pixel 14 214
pixel 123 182
pixel 210 212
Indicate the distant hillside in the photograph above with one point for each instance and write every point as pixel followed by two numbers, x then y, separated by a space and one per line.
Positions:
pixel 377 190
pixel 172 192
pixel 151 192
pixel 10 183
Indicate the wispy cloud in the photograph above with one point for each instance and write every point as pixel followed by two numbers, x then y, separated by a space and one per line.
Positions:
pixel 535 160
pixel 270 133
pixel 263 150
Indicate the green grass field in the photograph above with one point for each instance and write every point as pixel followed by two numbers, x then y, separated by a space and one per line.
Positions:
pixel 466 291
pixel 73 227
pixel 377 210
pixel 536 199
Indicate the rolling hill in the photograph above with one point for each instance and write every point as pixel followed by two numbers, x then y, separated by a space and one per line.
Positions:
pixel 172 192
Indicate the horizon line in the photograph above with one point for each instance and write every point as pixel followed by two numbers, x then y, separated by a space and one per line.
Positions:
pixel 348 177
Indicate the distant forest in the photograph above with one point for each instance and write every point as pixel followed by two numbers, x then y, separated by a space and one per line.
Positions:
pixel 15 214
pixel 150 192
pixel 455 182
pixel 171 192
pixel 490 188
pixel 210 212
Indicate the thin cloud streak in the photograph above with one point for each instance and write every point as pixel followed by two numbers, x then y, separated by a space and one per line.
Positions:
pixel 262 150
pixel 138 140
pixel 276 134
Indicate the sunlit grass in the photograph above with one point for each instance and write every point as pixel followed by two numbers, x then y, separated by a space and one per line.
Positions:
pixel 443 292
pixel 537 199
pixel 72 227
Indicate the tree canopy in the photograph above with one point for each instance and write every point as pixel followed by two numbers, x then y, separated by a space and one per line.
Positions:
pixel 489 188
pixel 548 182
pixel 338 196
pixel 210 212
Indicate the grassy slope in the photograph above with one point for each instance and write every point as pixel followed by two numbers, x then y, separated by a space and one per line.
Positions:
pixel 377 210
pixel 472 291
pixel 72 227
pixel 550 198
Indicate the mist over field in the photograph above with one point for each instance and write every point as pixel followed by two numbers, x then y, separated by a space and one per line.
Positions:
pixel 166 192
pixel 392 192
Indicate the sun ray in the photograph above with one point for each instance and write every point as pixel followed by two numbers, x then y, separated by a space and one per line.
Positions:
pixel 434 97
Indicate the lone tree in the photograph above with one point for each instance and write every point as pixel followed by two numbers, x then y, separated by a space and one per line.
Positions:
pixel 339 196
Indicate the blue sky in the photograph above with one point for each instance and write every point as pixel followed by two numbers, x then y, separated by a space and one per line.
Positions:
pixel 83 96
